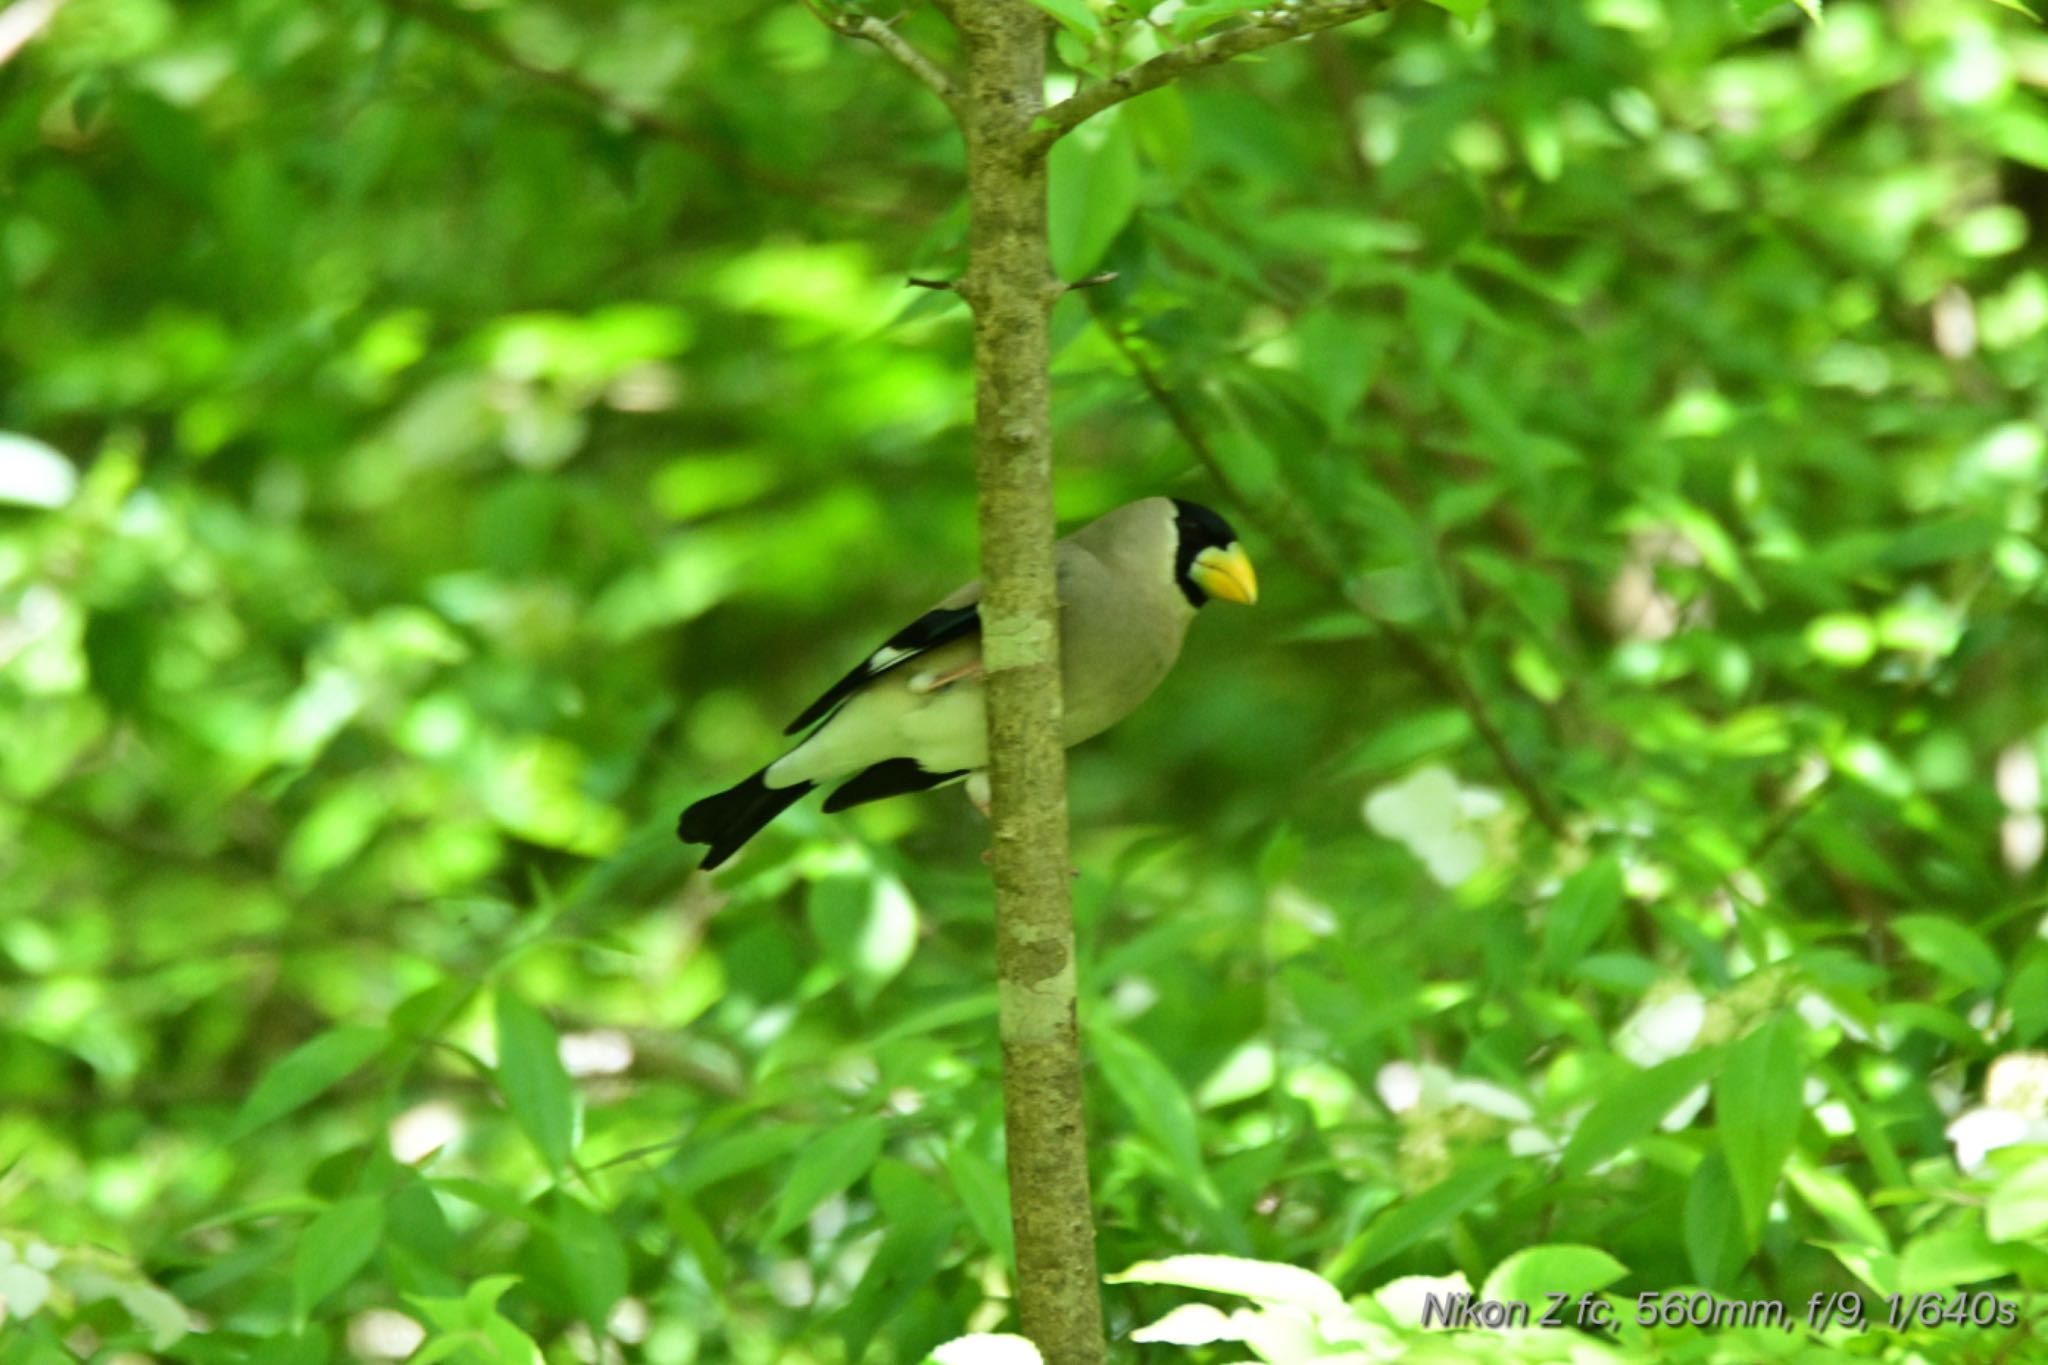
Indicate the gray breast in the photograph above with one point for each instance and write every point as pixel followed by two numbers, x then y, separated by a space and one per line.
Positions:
pixel 1118 639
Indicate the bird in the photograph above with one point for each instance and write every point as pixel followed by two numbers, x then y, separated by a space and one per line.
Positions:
pixel 909 717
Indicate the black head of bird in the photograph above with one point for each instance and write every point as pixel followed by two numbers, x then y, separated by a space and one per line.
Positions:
pixel 1208 561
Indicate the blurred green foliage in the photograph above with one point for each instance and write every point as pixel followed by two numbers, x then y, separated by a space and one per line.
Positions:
pixel 443 440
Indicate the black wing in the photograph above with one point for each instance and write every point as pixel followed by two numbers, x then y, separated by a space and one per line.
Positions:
pixel 940 625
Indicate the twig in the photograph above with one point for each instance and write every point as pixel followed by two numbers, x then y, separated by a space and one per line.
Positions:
pixel 1090 282
pixel 925 282
pixel 1277 27
pixel 1285 526
pixel 869 29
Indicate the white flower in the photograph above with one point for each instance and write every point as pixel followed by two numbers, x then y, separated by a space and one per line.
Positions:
pixel 2019 1081
pixel 1400 1086
pixel 2015 1110
pixel 1405 1086
pixel 1437 820
pixel 23 1289
pixel 1666 1024
pixel 1979 1132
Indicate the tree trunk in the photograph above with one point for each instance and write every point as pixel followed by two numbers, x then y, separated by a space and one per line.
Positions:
pixel 1010 286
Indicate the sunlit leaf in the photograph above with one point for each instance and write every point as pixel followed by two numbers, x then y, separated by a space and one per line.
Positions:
pixel 1715 1243
pixel 1077 15
pixel 1420 1216
pixel 1263 1281
pixel 825 1166
pixel 1533 1272
pixel 1955 948
pixel 1633 1107
pixel 1092 192
pixel 1581 912
pixel 1758 1108
pixel 2017 1209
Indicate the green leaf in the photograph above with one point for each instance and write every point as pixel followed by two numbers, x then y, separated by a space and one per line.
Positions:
pixel 1409 1221
pixel 2017 1209
pixel 983 1189
pixel 1467 11
pixel 1829 1193
pixel 1754 12
pixel 1877 1269
pixel 1165 134
pixel 1558 1268
pixel 473 1326
pixel 1581 912
pixel 533 1080
pixel 1714 1240
pixel 2026 995
pixel 1399 743
pixel 1946 1257
pixel 1092 192
pixel 1954 948
pixel 694 1233
pixel 918 1227
pixel 1157 1102
pixel 1077 15
pixel 414 1219
pixel 587 1258
pixel 333 1248
pixel 708 1160
pixel 1634 1107
pixel 304 1073
pixel 1198 16
pixel 1758 1106
pixel 1439 312
pixel 312 1346
pixel 498 1199
pixel 868 927
pixel 828 1165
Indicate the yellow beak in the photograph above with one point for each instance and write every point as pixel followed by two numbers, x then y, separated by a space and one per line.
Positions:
pixel 1226 573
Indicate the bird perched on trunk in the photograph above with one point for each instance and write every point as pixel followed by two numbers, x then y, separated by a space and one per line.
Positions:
pixel 909 717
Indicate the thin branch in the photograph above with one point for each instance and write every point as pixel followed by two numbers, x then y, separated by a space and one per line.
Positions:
pixel 869 29
pixel 1105 277
pixel 1279 26
pixel 1288 529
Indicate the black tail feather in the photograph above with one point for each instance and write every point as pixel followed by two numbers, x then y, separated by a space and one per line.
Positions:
pixel 729 818
pixel 892 778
